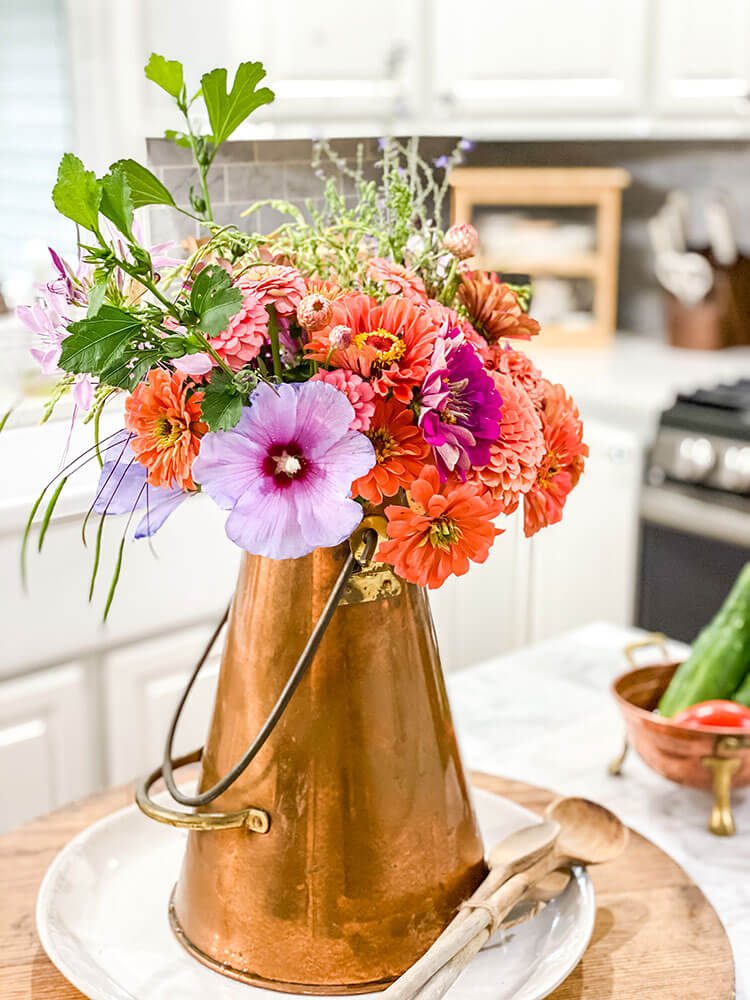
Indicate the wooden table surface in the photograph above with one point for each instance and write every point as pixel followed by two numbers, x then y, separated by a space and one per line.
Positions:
pixel 656 935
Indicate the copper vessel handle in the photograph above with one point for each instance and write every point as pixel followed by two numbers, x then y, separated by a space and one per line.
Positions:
pixel 657 639
pixel 363 544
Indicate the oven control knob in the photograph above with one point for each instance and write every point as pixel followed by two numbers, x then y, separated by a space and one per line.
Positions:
pixel 695 459
pixel 733 471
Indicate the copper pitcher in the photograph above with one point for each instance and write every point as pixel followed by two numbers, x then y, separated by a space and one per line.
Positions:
pixel 345 847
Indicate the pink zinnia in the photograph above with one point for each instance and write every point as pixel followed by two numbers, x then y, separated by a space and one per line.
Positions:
pixel 245 333
pixel 276 285
pixel 285 471
pixel 518 452
pixel 359 393
pixel 396 279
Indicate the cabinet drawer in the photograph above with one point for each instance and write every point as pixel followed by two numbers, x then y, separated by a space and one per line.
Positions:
pixel 47 743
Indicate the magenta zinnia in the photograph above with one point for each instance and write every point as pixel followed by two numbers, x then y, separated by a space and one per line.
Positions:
pixel 285 471
pixel 460 414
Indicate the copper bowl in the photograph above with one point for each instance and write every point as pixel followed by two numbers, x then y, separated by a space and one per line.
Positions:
pixel 678 752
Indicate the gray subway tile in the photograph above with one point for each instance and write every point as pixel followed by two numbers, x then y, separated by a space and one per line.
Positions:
pixel 161 152
pixel 236 151
pixel 283 150
pixel 253 181
pixel 167 225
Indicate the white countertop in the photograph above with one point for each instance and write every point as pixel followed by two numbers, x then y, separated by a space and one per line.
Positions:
pixel 630 383
pixel 544 715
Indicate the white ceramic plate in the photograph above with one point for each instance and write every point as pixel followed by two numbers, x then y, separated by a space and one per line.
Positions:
pixel 102 919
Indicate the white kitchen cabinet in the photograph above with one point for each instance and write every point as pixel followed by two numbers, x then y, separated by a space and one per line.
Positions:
pixel 501 59
pixel 584 569
pixel 332 61
pixel 701 57
pixel 48 752
pixel 484 612
pixel 142 687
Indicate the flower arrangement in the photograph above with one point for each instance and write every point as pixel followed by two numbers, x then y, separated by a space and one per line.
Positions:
pixel 351 361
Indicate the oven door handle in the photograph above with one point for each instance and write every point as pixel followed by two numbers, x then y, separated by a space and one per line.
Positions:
pixel 695 516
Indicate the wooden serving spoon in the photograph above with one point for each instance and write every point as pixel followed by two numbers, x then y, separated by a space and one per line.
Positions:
pixel 518 851
pixel 589 834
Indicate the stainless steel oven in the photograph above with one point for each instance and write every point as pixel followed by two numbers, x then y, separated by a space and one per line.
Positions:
pixel 695 510
pixel 693 543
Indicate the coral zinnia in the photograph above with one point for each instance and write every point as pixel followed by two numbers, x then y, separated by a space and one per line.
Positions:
pixel 507 360
pixel 400 452
pixel 391 344
pixel 396 279
pixel 460 406
pixel 519 449
pixel 245 333
pixel 446 527
pixel 494 308
pixel 285 470
pixel 166 424
pixel 562 464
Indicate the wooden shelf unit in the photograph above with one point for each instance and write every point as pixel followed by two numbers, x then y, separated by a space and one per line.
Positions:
pixel 531 187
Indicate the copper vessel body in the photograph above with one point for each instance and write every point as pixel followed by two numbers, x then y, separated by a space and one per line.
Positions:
pixel 373 841
pixel 674 751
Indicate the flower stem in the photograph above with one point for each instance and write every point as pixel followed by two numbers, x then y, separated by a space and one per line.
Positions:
pixel 273 333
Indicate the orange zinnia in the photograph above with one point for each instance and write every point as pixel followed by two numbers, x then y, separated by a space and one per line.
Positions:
pixel 493 307
pixel 562 464
pixel 166 425
pixel 400 452
pixel 391 344
pixel 446 527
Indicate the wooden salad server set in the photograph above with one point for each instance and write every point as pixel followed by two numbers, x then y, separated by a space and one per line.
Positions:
pixel 524 866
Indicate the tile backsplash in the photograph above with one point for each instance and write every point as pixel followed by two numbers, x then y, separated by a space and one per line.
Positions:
pixel 250 171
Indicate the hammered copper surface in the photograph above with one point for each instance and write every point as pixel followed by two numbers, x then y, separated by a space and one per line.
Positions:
pixel 675 751
pixel 373 840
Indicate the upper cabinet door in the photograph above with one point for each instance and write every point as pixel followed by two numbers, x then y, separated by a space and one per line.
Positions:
pixel 333 61
pixel 497 58
pixel 702 57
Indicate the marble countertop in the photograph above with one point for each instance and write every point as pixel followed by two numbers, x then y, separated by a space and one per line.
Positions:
pixel 544 715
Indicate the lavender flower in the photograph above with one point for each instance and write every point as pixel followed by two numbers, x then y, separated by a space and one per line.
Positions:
pixel 460 406
pixel 123 489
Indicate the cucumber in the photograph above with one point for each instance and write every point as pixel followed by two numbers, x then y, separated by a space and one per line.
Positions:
pixel 720 656
pixel 742 694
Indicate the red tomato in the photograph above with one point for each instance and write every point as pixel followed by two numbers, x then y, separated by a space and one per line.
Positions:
pixel 713 714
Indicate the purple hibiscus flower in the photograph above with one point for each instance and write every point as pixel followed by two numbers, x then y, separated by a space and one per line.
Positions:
pixel 285 471
pixel 123 488
pixel 460 406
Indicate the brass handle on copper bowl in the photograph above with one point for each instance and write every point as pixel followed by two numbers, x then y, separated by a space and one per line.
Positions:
pixel 364 542
pixel 657 639
pixel 723 769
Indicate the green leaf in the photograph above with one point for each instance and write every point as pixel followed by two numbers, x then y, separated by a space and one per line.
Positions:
pixel 77 193
pixel 165 73
pixel 178 138
pixel 227 110
pixel 213 300
pixel 145 188
pixel 128 365
pixel 49 511
pixel 96 298
pixel 117 201
pixel 222 402
pixel 93 343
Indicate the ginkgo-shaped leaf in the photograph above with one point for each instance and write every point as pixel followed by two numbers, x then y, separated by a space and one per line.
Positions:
pixel 227 110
